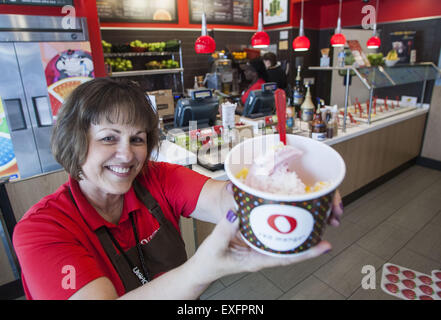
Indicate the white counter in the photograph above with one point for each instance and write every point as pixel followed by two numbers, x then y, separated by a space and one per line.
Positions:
pixel 172 153
pixel 351 132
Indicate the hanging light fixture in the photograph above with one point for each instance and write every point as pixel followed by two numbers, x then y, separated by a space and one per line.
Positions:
pixel 301 42
pixel 338 39
pixel 260 39
pixel 205 43
pixel 374 42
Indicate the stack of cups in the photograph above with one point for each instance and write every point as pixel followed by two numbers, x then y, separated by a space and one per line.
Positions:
pixel 228 110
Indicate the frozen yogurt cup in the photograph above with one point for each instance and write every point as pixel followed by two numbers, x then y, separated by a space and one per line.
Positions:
pixel 285 224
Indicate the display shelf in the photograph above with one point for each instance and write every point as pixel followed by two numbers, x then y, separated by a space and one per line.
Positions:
pixel 381 77
pixel 177 73
pixel 139 54
pixel 145 72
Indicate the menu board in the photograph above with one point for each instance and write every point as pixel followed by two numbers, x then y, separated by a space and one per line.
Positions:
pixel 161 11
pixel 233 12
pixel 39 2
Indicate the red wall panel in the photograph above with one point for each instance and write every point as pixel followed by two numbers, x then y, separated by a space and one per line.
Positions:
pixel 388 11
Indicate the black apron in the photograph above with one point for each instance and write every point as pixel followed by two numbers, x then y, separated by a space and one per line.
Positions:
pixel 141 263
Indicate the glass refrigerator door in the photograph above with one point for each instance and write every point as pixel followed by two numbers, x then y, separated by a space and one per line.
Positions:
pixel 18 120
pixel 39 109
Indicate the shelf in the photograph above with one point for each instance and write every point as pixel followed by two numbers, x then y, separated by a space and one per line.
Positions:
pixel 140 54
pixel 381 76
pixel 145 72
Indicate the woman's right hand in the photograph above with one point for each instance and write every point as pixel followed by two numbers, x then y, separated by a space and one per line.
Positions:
pixel 223 253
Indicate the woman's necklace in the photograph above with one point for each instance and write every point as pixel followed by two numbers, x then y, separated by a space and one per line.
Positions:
pixel 112 214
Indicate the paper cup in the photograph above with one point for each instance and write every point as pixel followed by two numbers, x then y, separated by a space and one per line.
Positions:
pixel 228 110
pixel 283 224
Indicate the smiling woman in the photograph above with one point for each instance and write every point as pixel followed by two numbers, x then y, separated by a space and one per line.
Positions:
pixel 116 155
pixel 115 224
pixel 93 102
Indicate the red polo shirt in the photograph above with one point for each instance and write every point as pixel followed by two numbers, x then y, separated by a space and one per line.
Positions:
pixel 56 245
pixel 256 86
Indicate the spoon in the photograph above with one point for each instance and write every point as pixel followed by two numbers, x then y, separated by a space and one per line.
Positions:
pixel 280 100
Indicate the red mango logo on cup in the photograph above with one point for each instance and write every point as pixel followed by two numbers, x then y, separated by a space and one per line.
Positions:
pixel 288 223
pixel 279 227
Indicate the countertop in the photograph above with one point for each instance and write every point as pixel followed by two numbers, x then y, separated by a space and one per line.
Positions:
pixel 351 132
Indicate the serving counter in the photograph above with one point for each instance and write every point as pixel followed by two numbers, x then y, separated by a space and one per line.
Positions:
pixel 369 150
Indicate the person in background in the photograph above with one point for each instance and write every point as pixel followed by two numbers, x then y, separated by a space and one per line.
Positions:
pixel 255 73
pixel 112 230
pixel 274 70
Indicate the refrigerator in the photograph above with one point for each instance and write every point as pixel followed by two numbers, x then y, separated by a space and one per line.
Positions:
pixel 40 64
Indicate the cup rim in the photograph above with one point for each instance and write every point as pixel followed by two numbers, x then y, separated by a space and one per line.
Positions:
pixel 286 197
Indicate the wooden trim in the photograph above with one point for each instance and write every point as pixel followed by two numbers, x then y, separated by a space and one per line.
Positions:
pixel 188 235
pixel 203 230
pixel 377 182
pixel 23 194
pixel 376 153
pixel 429 163
pixel 11 290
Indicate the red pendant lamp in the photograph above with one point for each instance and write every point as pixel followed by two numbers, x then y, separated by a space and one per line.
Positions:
pixel 205 43
pixel 338 39
pixel 260 39
pixel 301 42
pixel 374 42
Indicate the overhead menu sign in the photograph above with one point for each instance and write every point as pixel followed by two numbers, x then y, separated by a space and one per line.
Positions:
pixel 233 12
pixel 39 2
pixel 161 11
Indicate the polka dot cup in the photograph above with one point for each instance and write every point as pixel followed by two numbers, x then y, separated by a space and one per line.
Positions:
pixel 282 224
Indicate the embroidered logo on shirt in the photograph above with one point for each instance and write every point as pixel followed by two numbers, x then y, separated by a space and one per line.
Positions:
pixel 147 240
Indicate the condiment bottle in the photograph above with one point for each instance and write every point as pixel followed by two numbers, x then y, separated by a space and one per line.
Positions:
pixel 318 126
pixel 196 85
pixel 298 91
pixel 330 128
pixel 307 107
pixel 334 116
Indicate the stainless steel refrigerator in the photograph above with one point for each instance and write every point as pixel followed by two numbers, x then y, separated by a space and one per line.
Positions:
pixel 40 63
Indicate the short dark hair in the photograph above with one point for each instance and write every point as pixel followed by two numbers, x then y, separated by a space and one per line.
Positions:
pixel 117 101
pixel 259 67
pixel 271 57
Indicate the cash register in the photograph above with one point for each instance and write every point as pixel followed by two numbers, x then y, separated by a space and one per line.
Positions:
pixel 260 102
pixel 202 107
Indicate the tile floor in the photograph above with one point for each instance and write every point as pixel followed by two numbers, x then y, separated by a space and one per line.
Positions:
pixel 398 222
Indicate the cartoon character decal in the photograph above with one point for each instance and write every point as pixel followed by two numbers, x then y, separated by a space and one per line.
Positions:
pixel 64 72
pixel 70 63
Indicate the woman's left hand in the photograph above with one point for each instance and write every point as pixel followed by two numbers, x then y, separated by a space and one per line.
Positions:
pixel 337 210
